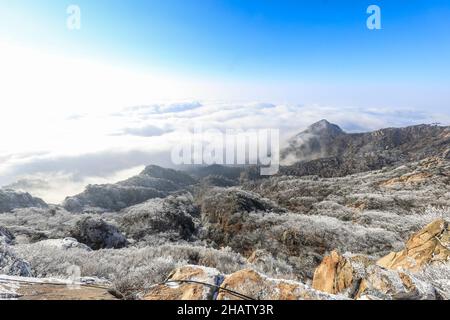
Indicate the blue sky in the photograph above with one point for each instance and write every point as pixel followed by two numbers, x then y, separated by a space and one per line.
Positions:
pixel 318 41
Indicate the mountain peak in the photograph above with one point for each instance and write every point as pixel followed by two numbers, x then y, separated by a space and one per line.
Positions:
pixel 324 126
pixel 315 142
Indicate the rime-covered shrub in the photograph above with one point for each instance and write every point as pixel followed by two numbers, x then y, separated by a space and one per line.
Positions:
pixel 217 181
pixel 153 182
pixel 161 220
pixel 135 269
pixel 179 177
pixel 129 283
pixel 386 190
pixel 432 213
pixel 34 224
pixel 332 209
pixel 403 225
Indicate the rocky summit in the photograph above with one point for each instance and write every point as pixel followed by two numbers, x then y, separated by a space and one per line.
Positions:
pixel 361 216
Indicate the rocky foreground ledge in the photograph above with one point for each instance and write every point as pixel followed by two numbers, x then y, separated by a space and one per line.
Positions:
pixel 23 288
pixel 397 276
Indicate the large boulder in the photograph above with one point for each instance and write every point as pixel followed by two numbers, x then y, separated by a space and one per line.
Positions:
pixel 358 277
pixel 180 287
pixel 200 283
pixel 257 286
pixel 217 181
pixel 98 234
pixel 419 272
pixel 10 200
pixel 246 222
pixel 427 247
pixel 340 273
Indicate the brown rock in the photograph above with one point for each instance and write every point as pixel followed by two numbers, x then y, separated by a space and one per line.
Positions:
pixel 428 246
pixel 408 179
pixel 337 273
pixel 186 291
pixel 58 292
pixel 22 288
pixel 257 286
pixel 389 284
pixel 257 256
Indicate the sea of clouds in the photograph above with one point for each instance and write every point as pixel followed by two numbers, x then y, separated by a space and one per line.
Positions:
pixel 60 157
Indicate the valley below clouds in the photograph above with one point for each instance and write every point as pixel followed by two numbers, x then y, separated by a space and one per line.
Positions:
pixel 58 160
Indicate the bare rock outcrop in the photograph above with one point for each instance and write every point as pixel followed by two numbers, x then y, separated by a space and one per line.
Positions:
pixel 6 236
pixel 257 286
pixel 200 283
pixel 392 277
pixel 426 247
pixel 357 277
pixel 393 285
pixel 185 284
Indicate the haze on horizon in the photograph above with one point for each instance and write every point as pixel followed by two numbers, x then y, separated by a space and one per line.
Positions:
pixel 97 104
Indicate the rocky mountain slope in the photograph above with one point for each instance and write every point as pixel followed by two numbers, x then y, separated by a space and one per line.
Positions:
pixel 326 150
pixel 153 182
pixel 361 216
pixel 10 200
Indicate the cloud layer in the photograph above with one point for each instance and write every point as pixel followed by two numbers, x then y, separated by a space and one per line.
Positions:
pixel 82 149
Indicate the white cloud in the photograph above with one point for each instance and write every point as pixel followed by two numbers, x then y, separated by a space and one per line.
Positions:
pixel 141 143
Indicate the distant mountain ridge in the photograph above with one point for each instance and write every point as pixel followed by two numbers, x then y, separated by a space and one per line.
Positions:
pixel 324 149
pixel 10 200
